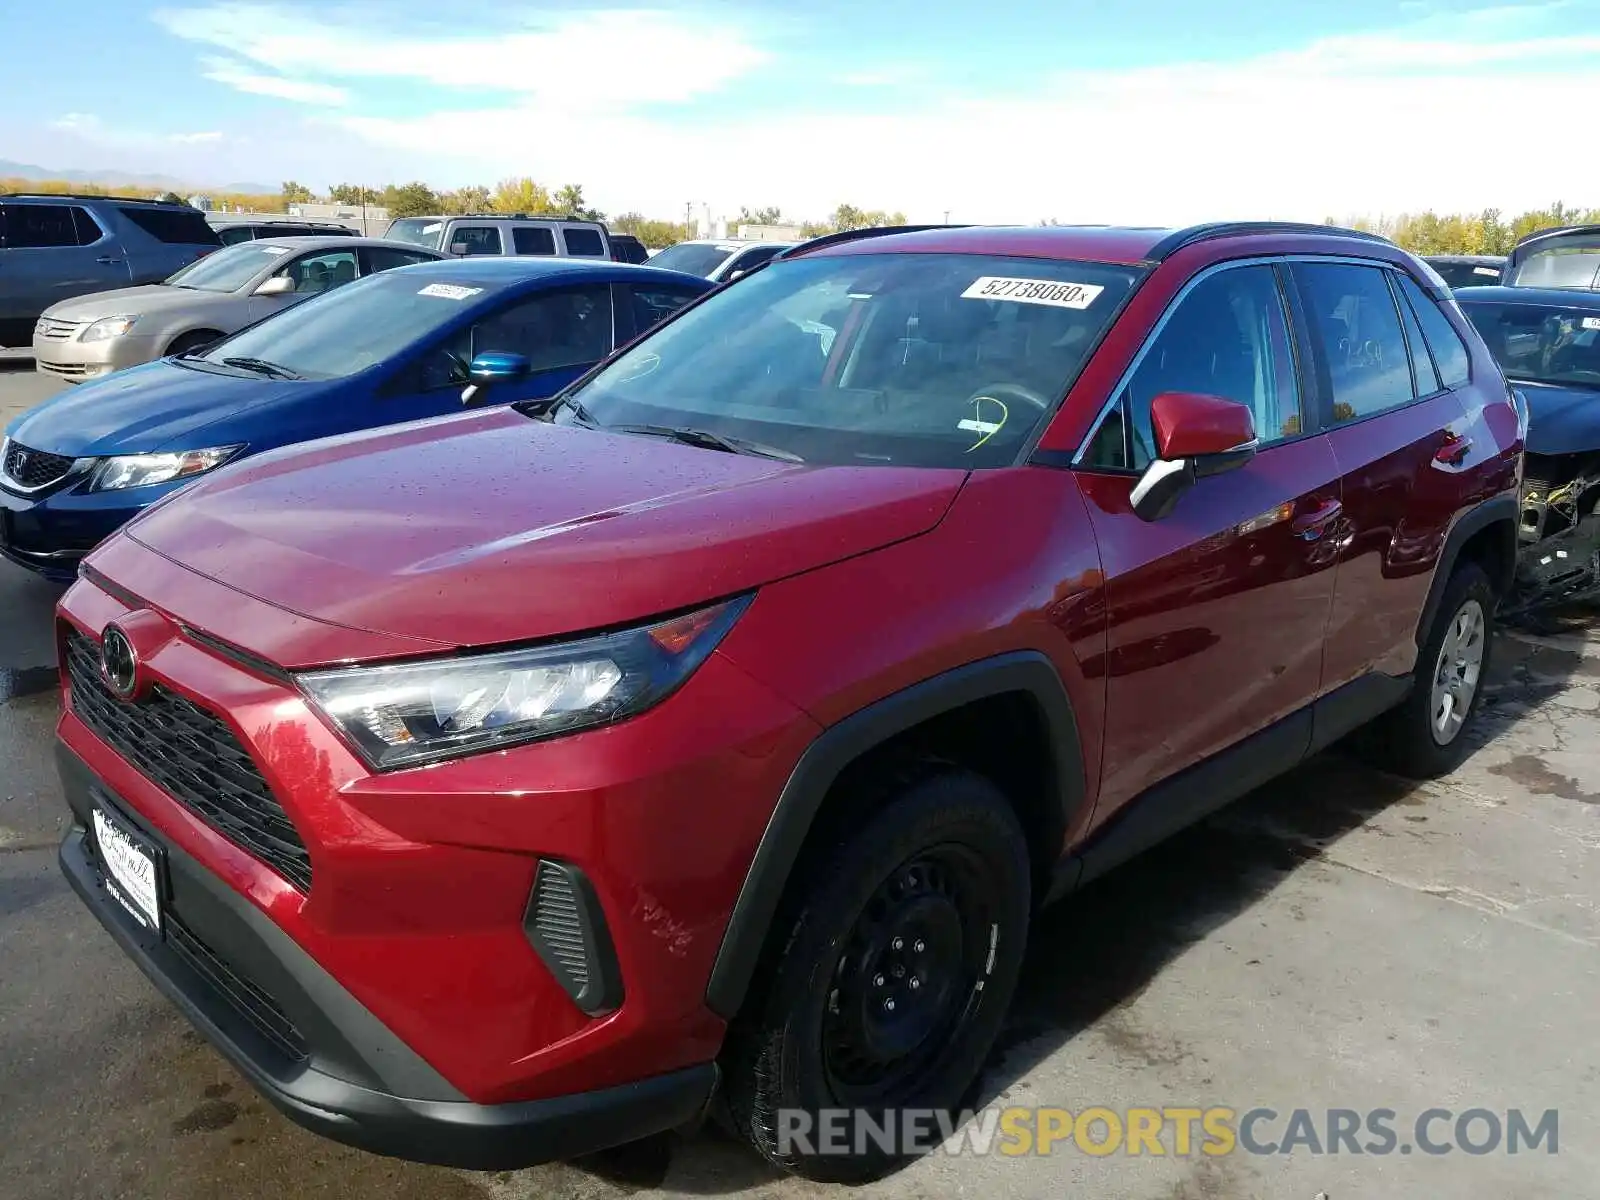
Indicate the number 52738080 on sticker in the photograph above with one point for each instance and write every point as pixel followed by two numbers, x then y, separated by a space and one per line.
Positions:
pixel 1053 292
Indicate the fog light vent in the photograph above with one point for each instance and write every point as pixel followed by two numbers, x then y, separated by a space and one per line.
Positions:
pixel 567 929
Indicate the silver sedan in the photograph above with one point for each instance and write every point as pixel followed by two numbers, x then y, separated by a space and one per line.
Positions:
pixel 89 336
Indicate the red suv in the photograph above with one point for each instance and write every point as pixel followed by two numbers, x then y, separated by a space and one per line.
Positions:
pixel 503 787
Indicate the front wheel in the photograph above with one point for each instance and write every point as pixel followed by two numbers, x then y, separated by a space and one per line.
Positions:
pixel 1423 737
pixel 887 984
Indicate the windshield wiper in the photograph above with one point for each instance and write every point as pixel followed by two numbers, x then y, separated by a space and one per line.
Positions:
pixel 261 367
pixel 706 440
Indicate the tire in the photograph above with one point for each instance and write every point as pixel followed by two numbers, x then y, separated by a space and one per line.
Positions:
pixel 942 867
pixel 1408 739
pixel 184 343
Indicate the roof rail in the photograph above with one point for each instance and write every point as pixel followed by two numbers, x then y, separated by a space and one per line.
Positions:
pixel 852 235
pixel 89 196
pixel 1177 240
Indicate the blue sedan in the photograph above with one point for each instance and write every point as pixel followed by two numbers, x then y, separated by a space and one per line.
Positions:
pixel 407 344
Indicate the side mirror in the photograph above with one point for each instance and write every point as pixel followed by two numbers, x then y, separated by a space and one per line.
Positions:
pixel 493 367
pixel 732 275
pixel 278 285
pixel 459 249
pixel 1196 436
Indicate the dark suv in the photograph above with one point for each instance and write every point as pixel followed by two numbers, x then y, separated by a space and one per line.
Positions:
pixel 55 247
pixel 504 787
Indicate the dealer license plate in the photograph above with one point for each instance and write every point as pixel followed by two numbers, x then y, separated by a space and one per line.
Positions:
pixel 131 870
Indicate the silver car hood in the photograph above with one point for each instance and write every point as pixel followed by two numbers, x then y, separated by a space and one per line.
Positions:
pixel 133 302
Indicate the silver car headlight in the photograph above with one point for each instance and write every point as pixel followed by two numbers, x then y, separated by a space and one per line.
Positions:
pixel 144 470
pixel 411 713
pixel 107 328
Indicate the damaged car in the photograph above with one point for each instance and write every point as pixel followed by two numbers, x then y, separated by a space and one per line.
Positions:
pixel 1547 342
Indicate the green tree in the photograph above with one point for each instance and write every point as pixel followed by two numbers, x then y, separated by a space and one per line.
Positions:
pixel 414 199
pixel 352 193
pixel 296 193
pixel 760 216
pixel 471 199
pixel 521 194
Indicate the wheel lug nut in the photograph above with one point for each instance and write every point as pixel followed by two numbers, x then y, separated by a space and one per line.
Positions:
pixel 877 981
pixel 897 944
pixel 888 1006
pixel 915 983
pixel 918 946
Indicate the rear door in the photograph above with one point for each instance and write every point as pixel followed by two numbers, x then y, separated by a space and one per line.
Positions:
pixel 158 239
pixel 1394 427
pixel 561 331
pixel 1216 612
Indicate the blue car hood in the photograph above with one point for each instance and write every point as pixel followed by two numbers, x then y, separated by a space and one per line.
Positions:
pixel 157 406
pixel 1561 420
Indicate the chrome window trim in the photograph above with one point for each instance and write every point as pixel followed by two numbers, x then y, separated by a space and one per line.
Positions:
pixel 1231 264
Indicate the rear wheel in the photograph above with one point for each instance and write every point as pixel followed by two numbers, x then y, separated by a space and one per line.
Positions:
pixel 887 981
pixel 1423 737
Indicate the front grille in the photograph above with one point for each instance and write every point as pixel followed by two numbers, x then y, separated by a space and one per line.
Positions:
pixel 55 331
pixel 194 757
pixel 250 1001
pixel 33 469
pixel 66 370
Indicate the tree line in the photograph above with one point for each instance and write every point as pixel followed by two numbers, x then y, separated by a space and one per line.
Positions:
pixel 1487 232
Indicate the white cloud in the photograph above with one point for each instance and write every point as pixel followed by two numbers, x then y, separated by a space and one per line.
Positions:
pixel 195 139
pixel 597 59
pixel 302 91
pixel 80 123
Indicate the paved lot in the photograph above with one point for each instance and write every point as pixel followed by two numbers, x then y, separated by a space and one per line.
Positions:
pixel 1337 940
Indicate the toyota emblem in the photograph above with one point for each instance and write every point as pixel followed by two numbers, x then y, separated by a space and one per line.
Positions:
pixel 119 663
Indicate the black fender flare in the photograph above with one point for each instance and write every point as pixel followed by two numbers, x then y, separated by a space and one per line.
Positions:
pixel 1501 508
pixel 841 744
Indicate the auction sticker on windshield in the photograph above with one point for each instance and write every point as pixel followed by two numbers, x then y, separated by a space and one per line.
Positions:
pixel 1591 322
pixel 450 291
pixel 1033 291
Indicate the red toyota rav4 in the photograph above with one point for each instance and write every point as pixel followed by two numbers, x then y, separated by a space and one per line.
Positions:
pixel 503 787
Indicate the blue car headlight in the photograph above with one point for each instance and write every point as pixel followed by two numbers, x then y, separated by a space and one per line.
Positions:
pixel 143 470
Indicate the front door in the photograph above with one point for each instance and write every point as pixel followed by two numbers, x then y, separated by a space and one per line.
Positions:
pixel 1216 612
pixel 562 332
pixel 1394 426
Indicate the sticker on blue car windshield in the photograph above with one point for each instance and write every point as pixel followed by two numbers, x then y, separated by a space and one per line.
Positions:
pixel 1591 322
pixel 1033 291
pixel 450 291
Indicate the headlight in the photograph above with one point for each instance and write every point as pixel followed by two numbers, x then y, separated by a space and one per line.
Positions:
pixel 142 470
pixel 108 327
pixel 421 712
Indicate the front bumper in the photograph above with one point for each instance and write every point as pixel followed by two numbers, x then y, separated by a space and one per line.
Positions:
pixel 312 1049
pixel 49 533
pixel 75 361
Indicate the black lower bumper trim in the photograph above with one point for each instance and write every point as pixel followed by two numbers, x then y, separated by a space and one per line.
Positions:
pixel 448 1132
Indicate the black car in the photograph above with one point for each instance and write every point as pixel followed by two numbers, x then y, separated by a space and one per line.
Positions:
pixel 1547 342
pixel 627 248
pixel 230 232
pixel 1467 270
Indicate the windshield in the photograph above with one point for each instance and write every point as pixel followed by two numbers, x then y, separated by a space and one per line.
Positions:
pixel 351 328
pixel 419 231
pixel 938 360
pixel 1541 343
pixel 693 258
pixel 228 269
pixel 1465 273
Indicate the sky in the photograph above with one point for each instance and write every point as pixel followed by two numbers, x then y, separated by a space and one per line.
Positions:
pixel 1114 111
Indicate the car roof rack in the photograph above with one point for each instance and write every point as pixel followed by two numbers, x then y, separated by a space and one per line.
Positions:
pixel 1211 230
pixel 89 196
pixel 854 235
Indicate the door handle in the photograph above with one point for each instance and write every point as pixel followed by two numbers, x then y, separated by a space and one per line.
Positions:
pixel 1453 452
pixel 1314 524
pixel 107 260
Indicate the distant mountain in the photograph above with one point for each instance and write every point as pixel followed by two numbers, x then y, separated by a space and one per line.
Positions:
pixel 110 178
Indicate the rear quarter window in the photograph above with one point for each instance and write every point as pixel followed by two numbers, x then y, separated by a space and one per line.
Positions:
pixel 175 226
pixel 1449 351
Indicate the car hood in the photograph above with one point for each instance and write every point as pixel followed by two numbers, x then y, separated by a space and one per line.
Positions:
pixel 151 407
pixel 493 527
pixel 1561 420
pixel 132 302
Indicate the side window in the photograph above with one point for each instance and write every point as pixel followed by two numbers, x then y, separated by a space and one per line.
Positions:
pixel 533 239
pixel 40 225
pixel 652 305
pixel 1351 311
pixel 235 235
pixel 1228 337
pixel 382 258
pixel 1449 351
pixel 583 243
pixel 475 239
pixel 88 230
pixel 321 272
pixel 1422 369
pixel 566 328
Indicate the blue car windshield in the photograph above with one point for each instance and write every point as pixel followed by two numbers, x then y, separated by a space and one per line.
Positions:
pixel 903 359
pixel 351 328
pixel 1541 343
